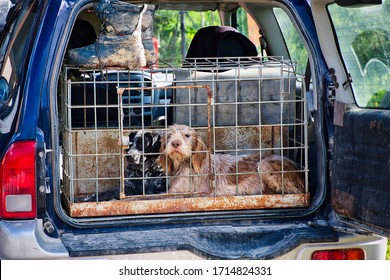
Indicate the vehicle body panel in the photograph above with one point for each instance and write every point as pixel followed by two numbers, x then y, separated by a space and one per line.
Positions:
pixel 360 184
pixel 291 233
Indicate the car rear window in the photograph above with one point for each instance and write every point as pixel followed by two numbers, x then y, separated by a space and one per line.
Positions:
pixel 364 41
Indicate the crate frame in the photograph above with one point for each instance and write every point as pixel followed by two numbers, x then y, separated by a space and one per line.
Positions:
pixel 168 202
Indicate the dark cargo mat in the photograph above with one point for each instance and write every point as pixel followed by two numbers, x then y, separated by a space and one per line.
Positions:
pixel 214 242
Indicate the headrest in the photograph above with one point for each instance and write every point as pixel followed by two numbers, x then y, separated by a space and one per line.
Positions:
pixel 220 41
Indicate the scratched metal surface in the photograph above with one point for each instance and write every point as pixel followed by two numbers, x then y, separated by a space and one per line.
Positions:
pixel 361 167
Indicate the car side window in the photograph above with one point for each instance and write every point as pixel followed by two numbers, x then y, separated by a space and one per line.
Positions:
pixel 5 6
pixel 13 47
pixel 364 42
pixel 295 46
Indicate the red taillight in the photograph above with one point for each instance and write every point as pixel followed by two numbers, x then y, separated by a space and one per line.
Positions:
pixel 342 254
pixel 17 182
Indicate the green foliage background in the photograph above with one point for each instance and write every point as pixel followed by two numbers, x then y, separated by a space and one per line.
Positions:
pixel 388 250
pixel 167 29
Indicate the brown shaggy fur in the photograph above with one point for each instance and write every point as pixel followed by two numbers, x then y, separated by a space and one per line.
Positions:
pixel 185 157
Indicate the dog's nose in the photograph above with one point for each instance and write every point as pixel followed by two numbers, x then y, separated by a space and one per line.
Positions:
pixel 176 143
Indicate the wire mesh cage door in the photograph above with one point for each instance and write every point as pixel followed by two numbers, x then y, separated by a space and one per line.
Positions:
pixel 260 109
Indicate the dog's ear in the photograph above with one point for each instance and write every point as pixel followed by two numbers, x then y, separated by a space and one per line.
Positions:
pixel 199 155
pixel 148 140
pixel 156 143
pixel 165 162
pixel 131 138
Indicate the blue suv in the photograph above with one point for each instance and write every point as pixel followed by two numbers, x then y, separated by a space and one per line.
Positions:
pixel 290 81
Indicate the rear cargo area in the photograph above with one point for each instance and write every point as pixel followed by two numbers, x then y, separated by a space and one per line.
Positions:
pixel 128 137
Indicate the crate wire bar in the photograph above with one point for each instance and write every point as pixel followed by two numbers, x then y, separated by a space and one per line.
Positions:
pixel 237 106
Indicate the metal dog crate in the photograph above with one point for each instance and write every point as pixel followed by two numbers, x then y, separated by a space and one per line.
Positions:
pixel 236 105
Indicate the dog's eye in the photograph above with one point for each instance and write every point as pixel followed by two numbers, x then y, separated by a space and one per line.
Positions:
pixel 188 135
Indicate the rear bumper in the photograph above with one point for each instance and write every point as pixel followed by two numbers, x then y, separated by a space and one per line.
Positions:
pixel 26 240
pixel 374 247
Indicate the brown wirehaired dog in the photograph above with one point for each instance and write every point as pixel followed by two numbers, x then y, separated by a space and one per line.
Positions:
pixel 185 157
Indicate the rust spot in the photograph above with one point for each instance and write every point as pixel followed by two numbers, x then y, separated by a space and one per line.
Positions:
pixel 187 204
pixel 108 142
pixel 95 155
pixel 372 124
pixel 380 124
pixel 344 203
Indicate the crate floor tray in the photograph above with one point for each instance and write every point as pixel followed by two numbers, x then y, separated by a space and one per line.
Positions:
pixel 189 204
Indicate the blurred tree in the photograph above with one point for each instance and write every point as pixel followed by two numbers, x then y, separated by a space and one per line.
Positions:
pixel 168 26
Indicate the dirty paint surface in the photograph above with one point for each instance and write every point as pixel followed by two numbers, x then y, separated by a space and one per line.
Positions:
pixel 188 204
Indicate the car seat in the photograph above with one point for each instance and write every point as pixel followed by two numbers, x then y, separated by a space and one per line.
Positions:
pixel 220 42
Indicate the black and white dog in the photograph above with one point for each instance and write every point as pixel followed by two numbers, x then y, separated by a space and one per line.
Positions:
pixel 143 174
